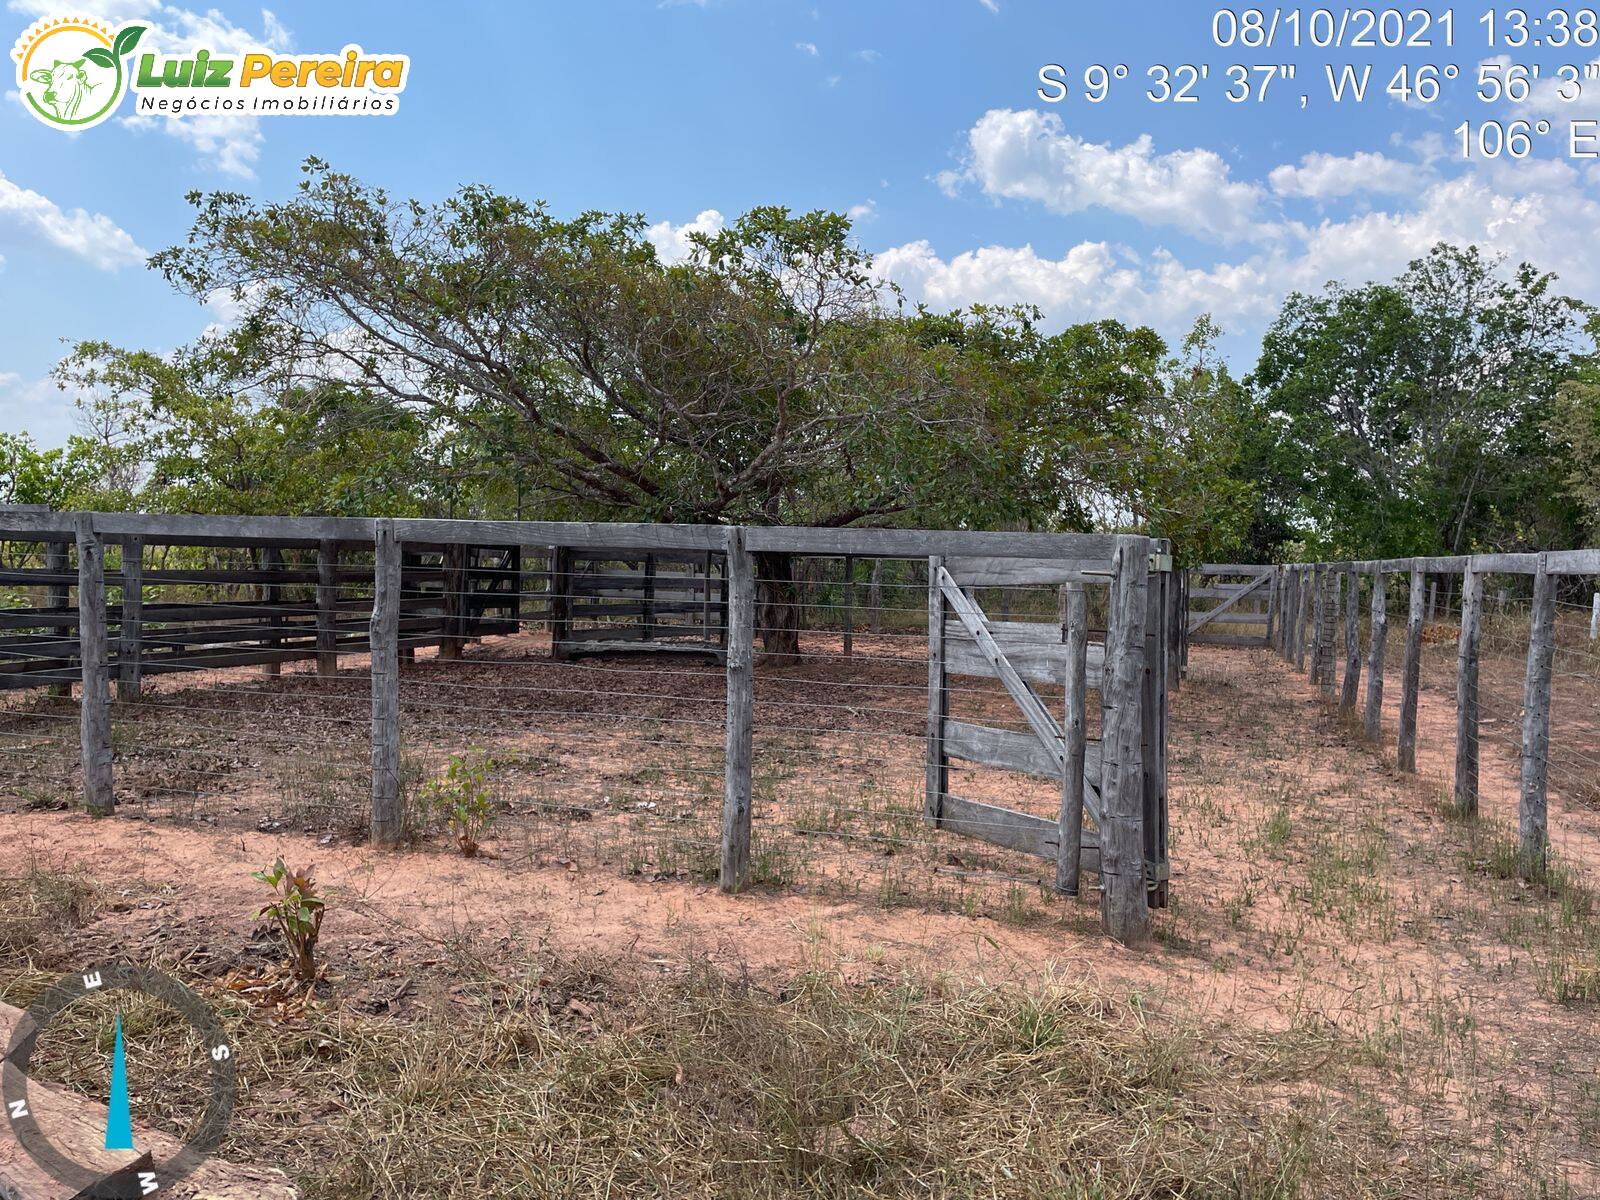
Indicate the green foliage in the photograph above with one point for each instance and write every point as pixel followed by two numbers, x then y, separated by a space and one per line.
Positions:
pixel 463 799
pixel 296 909
pixel 1413 417
pixel 1575 430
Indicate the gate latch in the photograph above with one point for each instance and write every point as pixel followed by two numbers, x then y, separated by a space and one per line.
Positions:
pixel 1161 562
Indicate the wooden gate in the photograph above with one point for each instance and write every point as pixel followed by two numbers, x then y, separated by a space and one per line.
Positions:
pixel 1238 596
pixel 1061 744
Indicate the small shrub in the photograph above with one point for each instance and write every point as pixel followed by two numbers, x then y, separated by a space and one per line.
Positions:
pixel 462 799
pixel 296 909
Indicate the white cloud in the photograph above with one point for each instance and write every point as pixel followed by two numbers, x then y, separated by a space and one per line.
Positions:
pixel 1027 155
pixel 93 237
pixel 1329 176
pixel 865 211
pixel 868 56
pixel 39 408
pixel 229 144
pixel 992 5
pixel 1522 216
pixel 807 48
pixel 672 242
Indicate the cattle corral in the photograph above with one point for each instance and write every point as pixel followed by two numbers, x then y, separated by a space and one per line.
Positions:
pixel 1361 942
pixel 318 674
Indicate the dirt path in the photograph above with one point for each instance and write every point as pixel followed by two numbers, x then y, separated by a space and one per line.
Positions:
pixel 1317 892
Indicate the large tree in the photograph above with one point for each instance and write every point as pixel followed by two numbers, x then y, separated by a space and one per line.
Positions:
pixel 769 379
pixel 1414 416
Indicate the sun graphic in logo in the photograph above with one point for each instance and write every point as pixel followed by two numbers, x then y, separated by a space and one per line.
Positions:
pixel 69 69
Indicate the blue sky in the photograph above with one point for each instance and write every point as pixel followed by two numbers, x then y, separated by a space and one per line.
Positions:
pixel 920 116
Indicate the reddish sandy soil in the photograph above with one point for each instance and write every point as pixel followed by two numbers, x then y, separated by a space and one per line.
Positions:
pixel 1314 888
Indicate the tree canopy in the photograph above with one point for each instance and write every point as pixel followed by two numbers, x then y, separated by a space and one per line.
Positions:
pixel 483 356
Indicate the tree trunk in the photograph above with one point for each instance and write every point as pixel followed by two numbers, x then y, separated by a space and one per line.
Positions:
pixel 777 613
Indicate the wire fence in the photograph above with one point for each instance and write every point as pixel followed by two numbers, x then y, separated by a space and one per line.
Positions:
pixel 607 761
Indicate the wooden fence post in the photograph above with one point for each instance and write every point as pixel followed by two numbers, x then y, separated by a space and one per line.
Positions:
pixel 1351 688
pixel 875 597
pixel 1533 818
pixel 452 621
pixel 937 780
pixel 1319 603
pixel 1272 609
pixel 327 608
pixel 1378 655
pixel 1411 675
pixel 94 709
pixel 1328 675
pixel 1124 900
pixel 1302 600
pixel 738 768
pixel 387 817
pixel 1069 849
pixel 849 603
pixel 561 599
pixel 58 561
pixel 1594 620
pixel 1433 599
pixel 130 652
pixel 647 606
pixel 271 563
pixel 1466 778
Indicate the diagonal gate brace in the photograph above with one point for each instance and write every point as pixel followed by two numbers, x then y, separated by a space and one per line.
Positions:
pixel 1041 722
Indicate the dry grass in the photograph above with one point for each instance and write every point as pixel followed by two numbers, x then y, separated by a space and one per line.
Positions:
pixel 543 1078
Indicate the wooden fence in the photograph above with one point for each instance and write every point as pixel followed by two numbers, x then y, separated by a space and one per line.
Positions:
pixel 442 582
pixel 1321 633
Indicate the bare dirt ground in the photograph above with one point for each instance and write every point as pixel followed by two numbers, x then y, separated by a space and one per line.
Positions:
pixel 1320 897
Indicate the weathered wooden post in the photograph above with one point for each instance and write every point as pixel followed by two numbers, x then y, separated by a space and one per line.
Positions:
pixel 1328 678
pixel 94 711
pixel 1124 901
pixel 453 626
pixel 327 608
pixel 58 563
pixel 1272 608
pixel 875 597
pixel 1594 620
pixel 1319 602
pixel 1298 634
pixel 1069 848
pixel 1433 598
pixel 1373 723
pixel 647 607
pixel 1466 780
pixel 271 593
pixel 1533 819
pixel 739 764
pixel 388 824
pixel 561 599
pixel 1411 674
pixel 849 603
pixel 937 780
pixel 130 666
pixel 1351 687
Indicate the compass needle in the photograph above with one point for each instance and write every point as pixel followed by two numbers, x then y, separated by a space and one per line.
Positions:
pixel 119 1118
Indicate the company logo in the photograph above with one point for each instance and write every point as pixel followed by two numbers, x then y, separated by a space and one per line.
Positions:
pixel 72 73
pixel 123 1170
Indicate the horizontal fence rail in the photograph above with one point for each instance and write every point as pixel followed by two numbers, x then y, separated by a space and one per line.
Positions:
pixel 151 618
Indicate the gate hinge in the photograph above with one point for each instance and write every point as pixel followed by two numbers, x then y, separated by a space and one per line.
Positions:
pixel 1161 562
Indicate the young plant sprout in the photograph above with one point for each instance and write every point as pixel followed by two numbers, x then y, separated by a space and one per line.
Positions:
pixel 296 909
pixel 462 799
